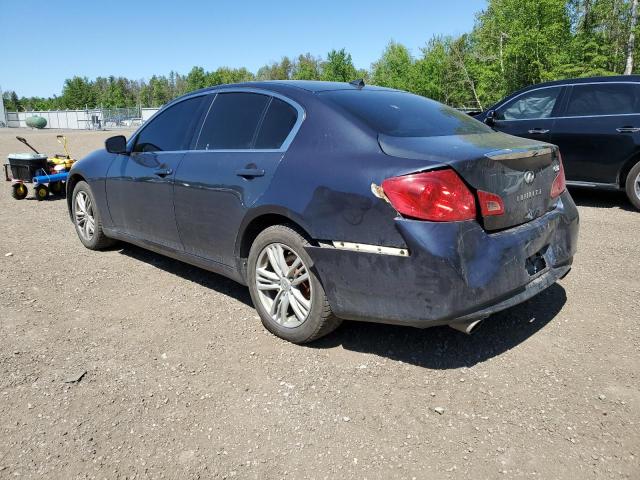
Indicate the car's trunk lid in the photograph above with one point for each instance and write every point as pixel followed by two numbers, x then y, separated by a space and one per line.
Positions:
pixel 520 171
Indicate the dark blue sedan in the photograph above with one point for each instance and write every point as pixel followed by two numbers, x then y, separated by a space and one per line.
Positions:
pixel 336 201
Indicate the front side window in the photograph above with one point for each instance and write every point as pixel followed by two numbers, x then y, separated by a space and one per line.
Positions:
pixel 532 105
pixel 232 121
pixel 172 129
pixel 604 99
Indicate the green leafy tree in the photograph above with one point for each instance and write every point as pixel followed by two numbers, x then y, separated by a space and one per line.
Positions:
pixel 307 67
pixel 196 79
pixel 78 92
pixel 338 67
pixel 395 68
pixel 281 70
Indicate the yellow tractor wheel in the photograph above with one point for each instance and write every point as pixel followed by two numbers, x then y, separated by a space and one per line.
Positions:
pixel 42 192
pixel 19 191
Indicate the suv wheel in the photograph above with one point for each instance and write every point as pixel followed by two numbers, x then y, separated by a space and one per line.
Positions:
pixel 285 291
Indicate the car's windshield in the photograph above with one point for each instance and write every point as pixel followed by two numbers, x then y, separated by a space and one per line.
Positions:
pixel 403 114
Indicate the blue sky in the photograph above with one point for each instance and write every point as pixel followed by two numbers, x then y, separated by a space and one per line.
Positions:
pixel 43 42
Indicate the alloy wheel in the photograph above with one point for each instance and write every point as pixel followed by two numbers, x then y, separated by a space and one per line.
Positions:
pixel 85 220
pixel 636 186
pixel 283 284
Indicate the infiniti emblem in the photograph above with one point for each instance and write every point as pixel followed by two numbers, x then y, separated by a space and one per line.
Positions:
pixel 529 176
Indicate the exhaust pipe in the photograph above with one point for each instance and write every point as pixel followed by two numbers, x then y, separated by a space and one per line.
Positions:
pixel 467 327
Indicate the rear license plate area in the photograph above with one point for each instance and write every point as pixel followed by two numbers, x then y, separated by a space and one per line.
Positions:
pixel 536 262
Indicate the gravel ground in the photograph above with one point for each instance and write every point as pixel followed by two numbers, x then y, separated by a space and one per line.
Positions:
pixel 183 382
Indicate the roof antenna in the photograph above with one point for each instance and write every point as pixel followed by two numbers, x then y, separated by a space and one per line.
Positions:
pixel 357 83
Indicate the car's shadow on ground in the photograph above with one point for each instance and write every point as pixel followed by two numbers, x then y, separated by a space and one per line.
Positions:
pixel 436 348
pixel 193 274
pixel 589 197
pixel 444 347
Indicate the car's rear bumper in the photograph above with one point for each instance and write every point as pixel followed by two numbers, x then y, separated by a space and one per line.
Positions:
pixel 455 271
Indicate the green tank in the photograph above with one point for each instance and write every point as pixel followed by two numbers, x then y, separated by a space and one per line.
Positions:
pixel 36 122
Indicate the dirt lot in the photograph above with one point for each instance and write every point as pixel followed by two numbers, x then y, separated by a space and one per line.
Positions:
pixel 183 382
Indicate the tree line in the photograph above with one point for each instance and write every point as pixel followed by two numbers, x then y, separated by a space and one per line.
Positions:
pixel 514 43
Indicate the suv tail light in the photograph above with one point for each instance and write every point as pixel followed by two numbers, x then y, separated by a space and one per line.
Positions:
pixel 560 183
pixel 439 196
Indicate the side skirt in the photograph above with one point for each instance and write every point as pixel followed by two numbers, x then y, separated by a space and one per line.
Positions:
pixel 206 264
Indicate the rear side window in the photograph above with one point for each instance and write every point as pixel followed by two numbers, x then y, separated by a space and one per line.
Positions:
pixel 277 123
pixel 402 114
pixel 604 99
pixel 232 121
pixel 172 129
pixel 531 105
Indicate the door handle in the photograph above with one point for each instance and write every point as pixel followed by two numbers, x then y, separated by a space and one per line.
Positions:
pixel 250 172
pixel 163 172
pixel 538 131
pixel 628 129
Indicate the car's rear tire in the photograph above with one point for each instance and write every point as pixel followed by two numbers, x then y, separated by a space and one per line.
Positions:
pixel 632 186
pixel 87 219
pixel 285 290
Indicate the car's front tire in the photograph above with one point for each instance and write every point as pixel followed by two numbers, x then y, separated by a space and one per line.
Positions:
pixel 87 219
pixel 632 186
pixel 285 290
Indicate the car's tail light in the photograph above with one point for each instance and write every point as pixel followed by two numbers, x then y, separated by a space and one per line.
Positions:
pixel 560 183
pixel 439 196
pixel 490 204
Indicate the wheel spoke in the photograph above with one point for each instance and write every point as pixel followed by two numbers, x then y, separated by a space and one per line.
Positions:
pixel 91 225
pixel 296 263
pixel 282 262
pixel 305 305
pixel 80 202
pixel 272 253
pixel 297 309
pixel 276 303
pixel 267 280
pixel 284 308
pixel 301 279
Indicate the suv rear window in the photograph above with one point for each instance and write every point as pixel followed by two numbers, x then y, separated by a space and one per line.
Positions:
pixel 402 114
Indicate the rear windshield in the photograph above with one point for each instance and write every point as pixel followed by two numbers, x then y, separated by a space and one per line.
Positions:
pixel 402 114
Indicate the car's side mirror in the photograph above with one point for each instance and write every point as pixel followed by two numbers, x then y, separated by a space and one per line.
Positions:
pixel 117 144
pixel 490 118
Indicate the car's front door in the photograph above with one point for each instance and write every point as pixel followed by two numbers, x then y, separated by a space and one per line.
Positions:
pixel 599 130
pixel 241 143
pixel 530 115
pixel 139 186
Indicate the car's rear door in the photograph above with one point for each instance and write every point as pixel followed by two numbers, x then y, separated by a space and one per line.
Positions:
pixel 599 130
pixel 241 142
pixel 531 114
pixel 139 186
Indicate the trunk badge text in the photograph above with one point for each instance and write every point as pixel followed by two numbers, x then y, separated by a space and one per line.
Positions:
pixel 529 177
pixel 528 195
